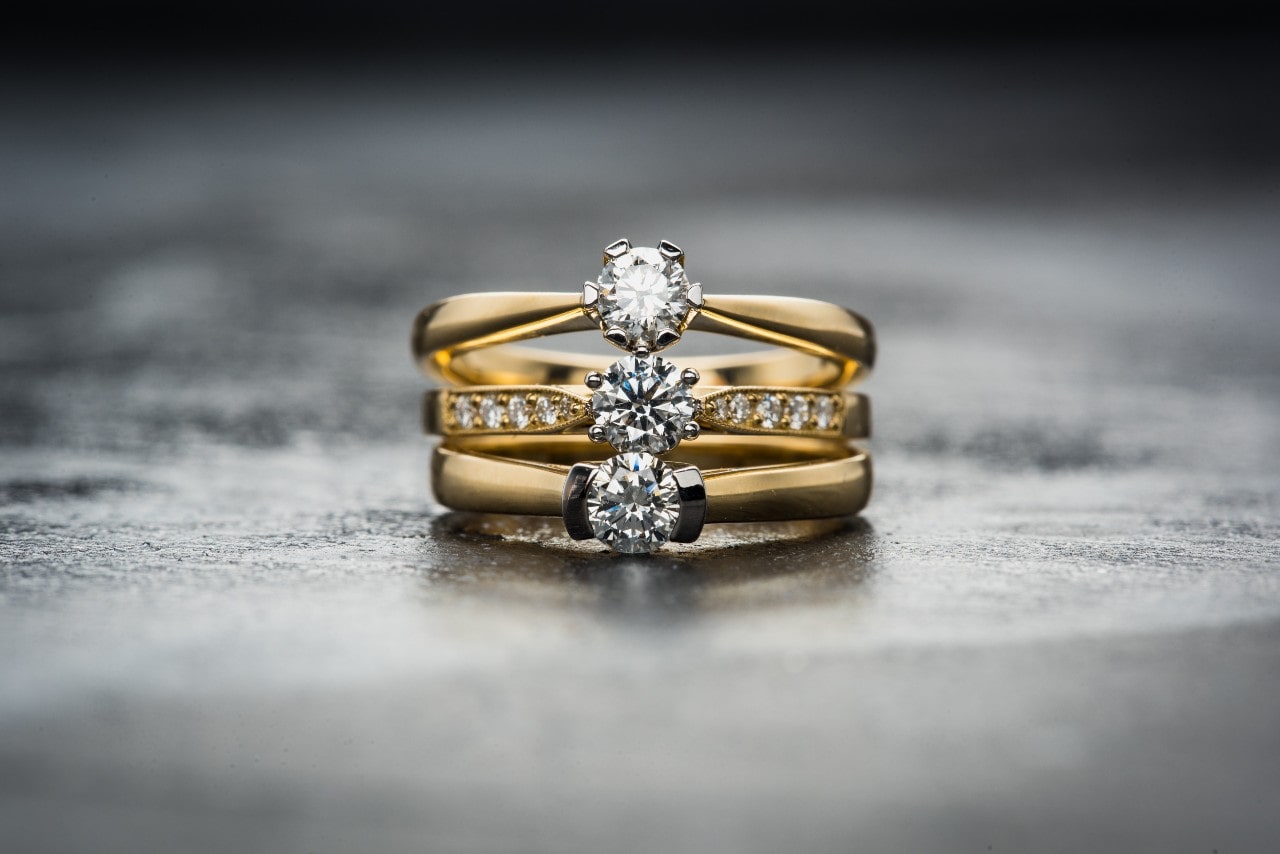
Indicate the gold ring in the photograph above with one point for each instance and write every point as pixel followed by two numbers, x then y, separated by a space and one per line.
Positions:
pixel 778 422
pixel 749 410
pixel 467 340
pixel 732 480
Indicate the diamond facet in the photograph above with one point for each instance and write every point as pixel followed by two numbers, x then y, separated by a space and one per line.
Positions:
pixel 740 408
pixel 545 411
pixel 518 412
pixel 491 412
pixel 825 411
pixel 643 404
pixel 770 411
pixel 722 408
pixel 797 412
pixel 644 294
pixel 464 412
pixel 633 503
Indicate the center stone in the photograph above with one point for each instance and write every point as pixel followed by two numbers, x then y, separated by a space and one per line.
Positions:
pixel 644 294
pixel 633 503
pixel 643 404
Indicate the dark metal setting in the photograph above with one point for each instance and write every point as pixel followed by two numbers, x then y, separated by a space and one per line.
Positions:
pixel 693 504
pixel 573 505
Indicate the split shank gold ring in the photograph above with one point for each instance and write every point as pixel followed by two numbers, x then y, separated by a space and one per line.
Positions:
pixel 775 424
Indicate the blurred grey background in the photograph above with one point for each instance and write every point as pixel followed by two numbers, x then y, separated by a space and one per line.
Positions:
pixel 231 617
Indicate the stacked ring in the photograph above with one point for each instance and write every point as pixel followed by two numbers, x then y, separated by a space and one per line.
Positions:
pixel 775 425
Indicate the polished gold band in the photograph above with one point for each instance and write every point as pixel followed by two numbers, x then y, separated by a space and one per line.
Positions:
pixel 749 410
pixel 748 479
pixel 466 340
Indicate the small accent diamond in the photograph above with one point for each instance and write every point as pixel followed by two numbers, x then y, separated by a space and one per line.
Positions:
pixel 545 411
pixel 722 408
pixel 740 408
pixel 518 412
pixel 770 411
pixel 797 412
pixel 491 412
pixel 464 412
pixel 825 411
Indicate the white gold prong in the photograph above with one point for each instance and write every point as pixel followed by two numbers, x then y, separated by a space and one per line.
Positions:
pixel 670 250
pixel 691 430
pixel 616 248
pixel 666 338
pixel 690 377
pixel 590 295
pixel 695 295
pixel 593 380
pixel 617 336
pixel 640 351
pixel 596 433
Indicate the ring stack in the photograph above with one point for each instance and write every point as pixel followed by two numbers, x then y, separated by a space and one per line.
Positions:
pixel 646 449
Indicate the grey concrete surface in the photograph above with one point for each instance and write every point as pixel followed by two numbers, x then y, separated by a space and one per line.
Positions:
pixel 231 618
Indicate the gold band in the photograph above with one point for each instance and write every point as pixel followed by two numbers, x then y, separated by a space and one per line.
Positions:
pixel 748 479
pixel 528 410
pixel 466 340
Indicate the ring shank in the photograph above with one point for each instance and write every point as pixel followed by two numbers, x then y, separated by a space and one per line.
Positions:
pixel 466 340
pixel 801 478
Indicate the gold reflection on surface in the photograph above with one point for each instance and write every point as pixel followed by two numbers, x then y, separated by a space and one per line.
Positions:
pixel 529 559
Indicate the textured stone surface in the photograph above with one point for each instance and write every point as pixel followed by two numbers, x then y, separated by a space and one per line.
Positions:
pixel 232 619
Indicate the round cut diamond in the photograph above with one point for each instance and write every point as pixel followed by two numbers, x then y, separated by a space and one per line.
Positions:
pixel 644 294
pixel 797 412
pixel 826 411
pixel 722 408
pixel 491 412
pixel 740 408
pixel 643 404
pixel 545 411
pixel 770 411
pixel 518 412
pixel 633 503
pixel 464 412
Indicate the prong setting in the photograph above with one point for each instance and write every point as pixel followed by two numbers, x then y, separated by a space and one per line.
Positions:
pixel 691 431
pixel 693 505
pixel 616 249
pixel 596 433
pixel 690 377
pixel 593 380
pixel 617 336
pixel 666 338
pixel 642 296
pixel 573 503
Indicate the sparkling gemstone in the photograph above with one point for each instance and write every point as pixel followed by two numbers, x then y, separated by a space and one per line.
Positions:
pixel 644 294
pixel 770 411
pixel 797 412
pixel 633 503
pixel 722 408
pixel 464 412
pixel 643 405
pixel 740 408
pixel 544 409
pixel 825 411
pixel 491 412
pixel 518 412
